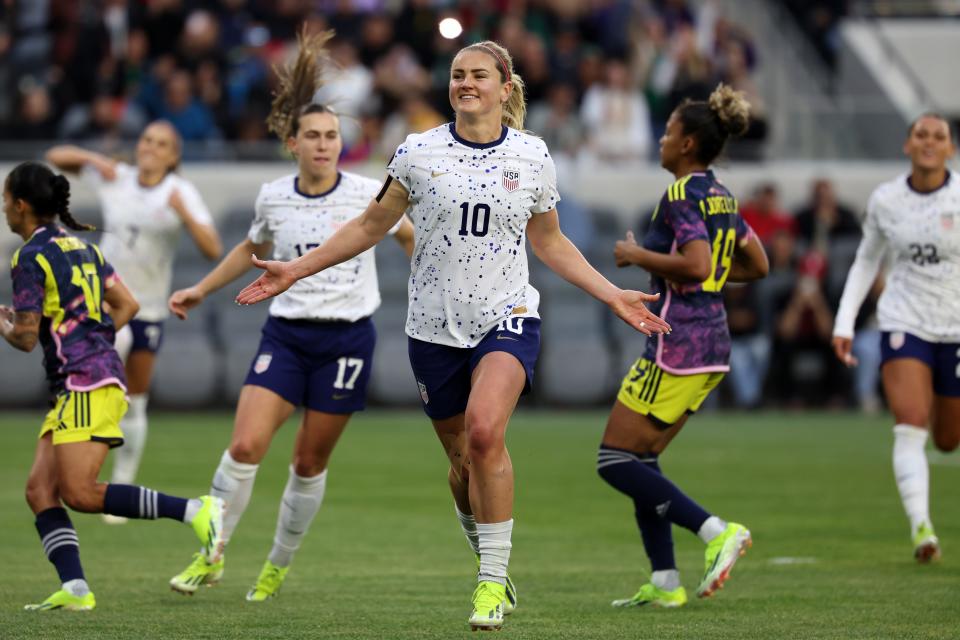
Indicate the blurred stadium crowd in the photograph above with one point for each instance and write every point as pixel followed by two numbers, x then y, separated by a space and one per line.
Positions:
pixel 602 78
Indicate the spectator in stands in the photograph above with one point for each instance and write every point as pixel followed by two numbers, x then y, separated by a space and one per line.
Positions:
pixel 750 343
pixel 556 120
pixel 824 220
pixel 36 118
pixel 349 89
pixel 191 118
pixel 102 124
pixel 616 118
pixel 765 215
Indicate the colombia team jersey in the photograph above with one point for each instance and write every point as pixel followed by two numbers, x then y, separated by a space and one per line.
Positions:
pixel 63 278
pixel 696 207
pixel 470 204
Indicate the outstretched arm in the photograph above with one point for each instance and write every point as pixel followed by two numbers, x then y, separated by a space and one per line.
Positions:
pixel 863 273
pixel 234 264
pixel 204 235
pixel 557 252
pixel 351 240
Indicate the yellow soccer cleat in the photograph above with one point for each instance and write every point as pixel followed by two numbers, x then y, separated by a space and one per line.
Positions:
pixel 655 596
pixel 199 572
pixel 268 582
pixel 488 600
pixel 722 553
pixel 63 599
pixel 510 602
pixel 926 545
pixel 208 525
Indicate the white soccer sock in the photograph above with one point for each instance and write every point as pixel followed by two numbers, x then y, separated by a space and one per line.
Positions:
pixel 302 498
pixel 126 460
pixel 668 579
pixel 912 473
pixel 469 526
pixel 77 587
pixel 711 528
pixel 233 481
pixel 494 545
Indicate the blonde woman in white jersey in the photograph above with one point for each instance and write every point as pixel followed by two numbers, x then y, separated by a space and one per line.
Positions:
pixel 318 342
pixel 476 189
pixel 916 219
pixel 145 209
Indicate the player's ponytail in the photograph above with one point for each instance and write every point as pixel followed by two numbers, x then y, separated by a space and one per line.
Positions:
pixel 298 83
pixel 515 108
pixel 47 193
pixel 725 114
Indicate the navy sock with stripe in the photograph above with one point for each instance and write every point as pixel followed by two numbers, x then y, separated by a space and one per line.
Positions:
pixel 656 531
pixel 131 501
pixel 630 473
pixel 60 543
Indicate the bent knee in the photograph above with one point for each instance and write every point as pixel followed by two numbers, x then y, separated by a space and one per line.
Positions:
pixel 40 496
pixel 246 451
pixel 82 498
pixel 483 441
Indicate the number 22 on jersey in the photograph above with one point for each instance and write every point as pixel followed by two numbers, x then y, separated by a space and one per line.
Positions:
pixel 724 245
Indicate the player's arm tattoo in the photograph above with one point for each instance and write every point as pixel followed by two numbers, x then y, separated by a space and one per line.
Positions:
pixel 24 331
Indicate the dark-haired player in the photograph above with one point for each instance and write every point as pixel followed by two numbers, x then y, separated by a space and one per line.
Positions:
pixel 145 209
pixel 696 243
pixel 68 297
pixel 915 218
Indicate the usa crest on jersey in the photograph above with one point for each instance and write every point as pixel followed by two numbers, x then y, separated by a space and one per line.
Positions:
pixel 511 180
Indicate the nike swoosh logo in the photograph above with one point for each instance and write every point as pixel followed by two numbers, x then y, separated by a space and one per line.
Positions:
pixel 340 396
pixel 500 337
pixel 437 174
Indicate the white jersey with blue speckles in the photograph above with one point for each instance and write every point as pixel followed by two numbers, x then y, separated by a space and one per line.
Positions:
pixel 296 223
pixel 920 232
pixel 470 204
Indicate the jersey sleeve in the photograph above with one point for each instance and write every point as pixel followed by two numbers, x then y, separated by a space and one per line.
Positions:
pixel 194 203
pixel 260 229
pixel 28 284
pixel 399 167
pixel 108 275
pixel 744 231
pixel 549 195
pixel 686 221
pixel 863 271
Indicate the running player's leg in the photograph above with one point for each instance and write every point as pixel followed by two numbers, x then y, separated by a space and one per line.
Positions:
pixel 302 496
pixel 57 535
pixel 452 434
pixel 137 343
pixel 908 386
pixel 946 423
pixel 260 413
pixel 496 384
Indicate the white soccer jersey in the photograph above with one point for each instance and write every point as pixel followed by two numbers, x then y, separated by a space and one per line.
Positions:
pixel 470 206
pixel 295 223
pixel 141 231
pixel 921 232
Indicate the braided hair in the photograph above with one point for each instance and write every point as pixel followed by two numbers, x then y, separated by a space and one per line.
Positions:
pixel 46 192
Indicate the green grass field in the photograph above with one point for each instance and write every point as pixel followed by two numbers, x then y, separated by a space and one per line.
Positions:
pixel 385 557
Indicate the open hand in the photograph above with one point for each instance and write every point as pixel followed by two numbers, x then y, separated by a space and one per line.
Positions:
pixel 275 280
pixel 629 307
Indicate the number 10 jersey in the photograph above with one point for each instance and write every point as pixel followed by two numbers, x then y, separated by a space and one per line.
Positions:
pixel 470 204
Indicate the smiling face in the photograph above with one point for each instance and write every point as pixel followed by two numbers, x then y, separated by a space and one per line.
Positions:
pixel 158 150
pixel 476 85
pixel 929 144
pixel 317 145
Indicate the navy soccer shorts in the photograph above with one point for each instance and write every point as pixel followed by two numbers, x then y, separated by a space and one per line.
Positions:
pixel 147 336
pixel 943 358
pixel 323 366
pixel 443 373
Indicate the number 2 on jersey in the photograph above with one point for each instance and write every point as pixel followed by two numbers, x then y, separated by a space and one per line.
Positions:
pixel 87 278
pixel 722 250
